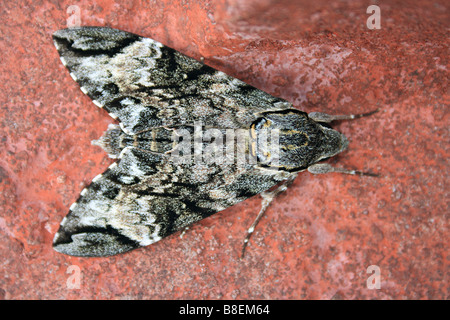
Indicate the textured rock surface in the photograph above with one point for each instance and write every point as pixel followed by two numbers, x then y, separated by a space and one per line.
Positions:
pixel 318 239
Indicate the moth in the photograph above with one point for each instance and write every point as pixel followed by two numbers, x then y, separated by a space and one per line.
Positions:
pixel 191 141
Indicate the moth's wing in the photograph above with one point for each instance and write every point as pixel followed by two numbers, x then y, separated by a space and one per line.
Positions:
pixel 144 197
pixel 145 84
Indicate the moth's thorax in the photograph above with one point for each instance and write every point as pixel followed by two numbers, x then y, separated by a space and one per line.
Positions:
pixel 289 140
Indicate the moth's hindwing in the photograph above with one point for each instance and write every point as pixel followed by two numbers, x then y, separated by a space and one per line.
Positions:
pixel 147 87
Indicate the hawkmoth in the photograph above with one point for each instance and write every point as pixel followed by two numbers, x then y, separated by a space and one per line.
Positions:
pixel 191 141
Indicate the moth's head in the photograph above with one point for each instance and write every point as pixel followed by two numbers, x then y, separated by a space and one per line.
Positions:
pixel 289 140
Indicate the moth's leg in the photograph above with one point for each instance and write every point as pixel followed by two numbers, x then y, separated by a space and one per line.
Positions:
pixel 185 229
pixel 327 118
pixel 268 197
pixel 319 168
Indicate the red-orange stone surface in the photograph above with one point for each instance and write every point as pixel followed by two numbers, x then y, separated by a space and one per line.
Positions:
pixel 318 239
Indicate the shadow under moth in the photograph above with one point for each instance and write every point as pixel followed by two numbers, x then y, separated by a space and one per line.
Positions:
pixel 191 141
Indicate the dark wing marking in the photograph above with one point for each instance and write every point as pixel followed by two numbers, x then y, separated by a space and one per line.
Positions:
pixel 145 84
pixel 145 197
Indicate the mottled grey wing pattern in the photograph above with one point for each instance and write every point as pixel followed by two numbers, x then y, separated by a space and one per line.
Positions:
pixel 146 196
pixel 145 84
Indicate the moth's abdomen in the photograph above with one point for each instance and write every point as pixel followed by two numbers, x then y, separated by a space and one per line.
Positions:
pixel 114 140
pixel 159 140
